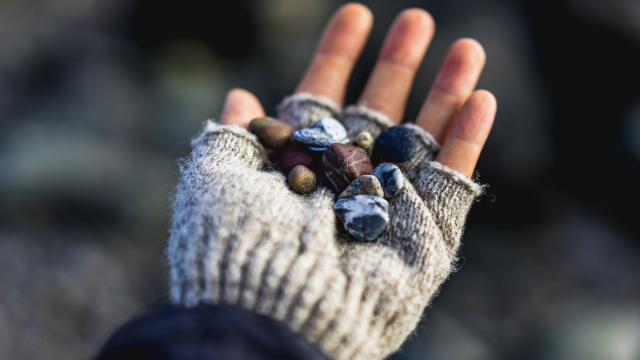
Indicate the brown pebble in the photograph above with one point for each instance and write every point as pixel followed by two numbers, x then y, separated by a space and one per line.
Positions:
pixel 293 156
pixel 302 180
pixel 345 163
pixel 273 133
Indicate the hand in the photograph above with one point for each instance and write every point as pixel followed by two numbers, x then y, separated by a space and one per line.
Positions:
pixel 241 236
pixel 458 117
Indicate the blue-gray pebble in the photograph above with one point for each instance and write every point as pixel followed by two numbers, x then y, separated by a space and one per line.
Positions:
pixel 365 217
pixel 391 179
pixel 323 133
pixel 397 144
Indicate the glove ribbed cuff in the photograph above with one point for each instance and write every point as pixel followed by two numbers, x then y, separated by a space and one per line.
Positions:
pixel 303 110
pixel 360 118
pixel 426 150
pixel 229 144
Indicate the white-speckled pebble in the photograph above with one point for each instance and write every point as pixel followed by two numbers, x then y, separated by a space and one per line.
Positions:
pixel 391 179
pixel 365 217
pixel 323 133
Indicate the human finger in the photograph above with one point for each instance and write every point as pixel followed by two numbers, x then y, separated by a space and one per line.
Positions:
pixel 469 132
pixel 454 82
pixel 401 54
pixel 240 107
pixel 337 52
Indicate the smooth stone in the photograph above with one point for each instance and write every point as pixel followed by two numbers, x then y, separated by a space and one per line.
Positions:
pixel 397 144
pixel 273 133
pixel 345 163
pixel 293 156
pixel 302 180
pixel 365 217
pixel 323 133
pixel 364 185
pixel 365 141
pixel 391 179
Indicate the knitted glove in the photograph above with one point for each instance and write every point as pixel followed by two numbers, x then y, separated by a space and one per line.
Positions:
pixel 240 236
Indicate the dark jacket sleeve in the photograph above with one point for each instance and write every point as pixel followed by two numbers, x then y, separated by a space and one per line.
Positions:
pixel 206 332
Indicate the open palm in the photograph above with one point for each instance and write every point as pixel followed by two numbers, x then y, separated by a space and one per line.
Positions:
pixel 458 117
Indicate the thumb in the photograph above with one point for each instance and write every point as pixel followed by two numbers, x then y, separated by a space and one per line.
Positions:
pixel 240 108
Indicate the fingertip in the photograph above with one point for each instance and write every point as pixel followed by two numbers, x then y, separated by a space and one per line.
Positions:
pixel 240 107
pixel 469 49
pixel 347 31
pixel 481 106
pixel 486 97
pixel 408 38
pixel 475 118
pixel 357 12
pixel 419 17
pixel 341 43
pixel 469 133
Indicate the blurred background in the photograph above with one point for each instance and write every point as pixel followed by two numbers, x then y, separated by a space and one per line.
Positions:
pixel 99 98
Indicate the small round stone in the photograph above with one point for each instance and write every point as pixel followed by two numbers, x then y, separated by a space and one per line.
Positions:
pixel 302 180
pixel 391 179
pixel 365 141
pixel 364 185
pixel 293 156
pixel 273 133
pixel 397 144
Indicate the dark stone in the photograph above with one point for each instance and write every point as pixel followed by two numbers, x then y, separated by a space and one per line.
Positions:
pixel 345 163
pixel 391 179
pixel 397 144
pixel 365 217
pixel 293 156
pixel 302 180
pixel 273 133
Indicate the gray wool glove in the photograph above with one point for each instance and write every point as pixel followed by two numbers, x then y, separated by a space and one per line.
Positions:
pixel 240 236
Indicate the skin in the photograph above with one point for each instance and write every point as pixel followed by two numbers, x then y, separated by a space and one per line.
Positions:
pixel 458 117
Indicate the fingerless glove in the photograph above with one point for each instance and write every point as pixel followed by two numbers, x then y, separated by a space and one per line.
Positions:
pixel 241 237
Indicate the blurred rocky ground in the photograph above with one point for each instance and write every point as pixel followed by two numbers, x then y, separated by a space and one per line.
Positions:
pixel 98 98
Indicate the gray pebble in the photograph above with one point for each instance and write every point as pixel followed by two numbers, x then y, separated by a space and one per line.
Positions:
pixel 365 217
pixel 323 133
pixel 391 179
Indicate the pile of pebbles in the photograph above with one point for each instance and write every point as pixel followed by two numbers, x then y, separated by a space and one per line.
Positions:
pixel 322 154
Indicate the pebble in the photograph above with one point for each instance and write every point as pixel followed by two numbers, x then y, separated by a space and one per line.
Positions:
pixel 365 141
pixel 273 133
pixel 302 180
pixel 323 133
pixel 365 217
pixel 391 179
pixel 293 156
pixel 364 185
pixel 396 144
pixel 345 163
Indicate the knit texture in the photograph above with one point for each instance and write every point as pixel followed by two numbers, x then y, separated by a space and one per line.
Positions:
pixel 303 110
pixel 360 118
pixel 240 236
